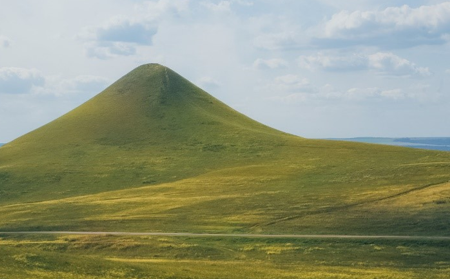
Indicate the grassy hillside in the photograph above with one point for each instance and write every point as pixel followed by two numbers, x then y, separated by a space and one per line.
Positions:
pixel 151 126
pixel 153 152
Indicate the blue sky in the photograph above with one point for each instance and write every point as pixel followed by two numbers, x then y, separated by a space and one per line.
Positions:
pixel 313 68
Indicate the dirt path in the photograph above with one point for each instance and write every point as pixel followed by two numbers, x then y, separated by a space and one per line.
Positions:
pixel 305 236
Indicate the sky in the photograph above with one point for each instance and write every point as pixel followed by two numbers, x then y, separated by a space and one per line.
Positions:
pixel 317 69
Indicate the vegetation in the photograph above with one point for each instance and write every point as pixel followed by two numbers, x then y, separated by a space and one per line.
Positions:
pixel 155 153
pixel 166 257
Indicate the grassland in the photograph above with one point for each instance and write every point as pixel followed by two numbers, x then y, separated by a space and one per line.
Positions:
pixel 166 257
pixel 155 153
pixel 288 195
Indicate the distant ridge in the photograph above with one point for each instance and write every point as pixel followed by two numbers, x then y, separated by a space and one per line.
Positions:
pixel 431 143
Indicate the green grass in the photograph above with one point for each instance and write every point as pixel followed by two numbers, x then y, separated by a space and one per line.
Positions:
pixel 155 153
pixel 166 257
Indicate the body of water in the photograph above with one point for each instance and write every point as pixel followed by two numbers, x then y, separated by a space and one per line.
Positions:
pixel 435 143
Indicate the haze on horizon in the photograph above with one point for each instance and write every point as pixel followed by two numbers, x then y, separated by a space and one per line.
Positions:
pixel 317 69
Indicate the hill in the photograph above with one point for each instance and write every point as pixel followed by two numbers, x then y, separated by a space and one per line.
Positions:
pixel 153 152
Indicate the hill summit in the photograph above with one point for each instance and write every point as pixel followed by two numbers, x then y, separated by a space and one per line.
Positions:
pixel 151 103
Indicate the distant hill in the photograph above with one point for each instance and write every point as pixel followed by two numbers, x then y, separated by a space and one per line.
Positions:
pixel 439 143
pixel 153 152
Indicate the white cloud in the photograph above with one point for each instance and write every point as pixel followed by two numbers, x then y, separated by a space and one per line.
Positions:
pixel 85 84
pixel 391 64
pixel 394 27
pixel 106 50
pixel 447 71
pixel 271 32
pixel 293 89
pixel 155 10
pixel 326 62
pixel 289 89
pixel 291 98
pixel 222 6
pixel 5 41
pixel 121 35
pixel 361 93
pixel 291 83
pixel 118 37
pixel 415 92
pixel 383 63
pixel 270 63
pixel 79 85
pixel 277 41
pixel 208 83
pixel 19 80
pixel 395 94
pixel 244 3
pixel 126 31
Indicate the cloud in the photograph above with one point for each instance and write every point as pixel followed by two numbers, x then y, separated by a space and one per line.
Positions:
pixel 269 63
pixel 5 41
pixel 120 36
pixel 106 50
pixel 222 6
pixel 155 10
pixel 357 94
pixel 277 41
pixel 270 32
pixel 244 3
pixel 80 85
pixel 208 83
pixel 321 61
pixel 85 84
pixel 395 94
pixel 19 80
pixel 383 63
pixel 393 27
pixel 126 31
pixel 391 64
pixel 291 85
pixel 293 89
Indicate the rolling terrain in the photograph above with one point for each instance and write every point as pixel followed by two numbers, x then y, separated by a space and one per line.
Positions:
pixel 154 153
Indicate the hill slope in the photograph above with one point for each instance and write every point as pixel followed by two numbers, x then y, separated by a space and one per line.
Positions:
pixel 155 153
pixel 148 127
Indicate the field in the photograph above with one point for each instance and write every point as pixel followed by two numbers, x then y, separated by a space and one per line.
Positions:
pixel 106 256
pixel 154 153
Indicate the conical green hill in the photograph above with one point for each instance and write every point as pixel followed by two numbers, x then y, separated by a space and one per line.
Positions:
pixel 150 104
pixel 150 126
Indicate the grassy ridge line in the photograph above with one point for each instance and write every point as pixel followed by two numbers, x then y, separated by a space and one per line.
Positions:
pixel 220 235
